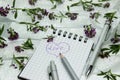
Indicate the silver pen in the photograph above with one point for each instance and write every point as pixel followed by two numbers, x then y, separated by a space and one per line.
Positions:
pixel 97 49
pixel 69 68
pixel 52 71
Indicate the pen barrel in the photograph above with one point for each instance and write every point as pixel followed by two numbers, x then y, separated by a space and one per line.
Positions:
pixel 55 75
pixel 54 72
pixel 69 69
pixel 99 44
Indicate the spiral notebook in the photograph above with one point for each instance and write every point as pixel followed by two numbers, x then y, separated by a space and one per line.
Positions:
pixel 74 47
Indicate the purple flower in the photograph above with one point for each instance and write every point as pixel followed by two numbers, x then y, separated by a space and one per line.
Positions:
pixel 72 16
pixel 35 29
pixel 115 40
pixel 90 9
pixel 106 5
pixel 51 16
pixel 50 39
pixel 39 16
pixel 13 65
pixel 13 35
pixel 89 31
pixel 92 15
pixel 2 44
pixel 32 2
pixel 19 49
pixel 44 12
pixel 4 11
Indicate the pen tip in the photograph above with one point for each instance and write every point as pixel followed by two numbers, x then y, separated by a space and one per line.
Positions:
pixel 61 55
pixel 89 71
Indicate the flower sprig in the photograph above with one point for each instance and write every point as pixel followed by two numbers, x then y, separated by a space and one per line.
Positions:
pixel 33 13
pixel 110 16
pixel 113 49
pixel 109 75
pixel 49 38
pixel 89 31
pixel 95 15
pixel 13 34
pixel 4 11
pixel 61 16
pixel 87 5
pixel 116 38
pixel 2 40
pixel 25 46
pixel 34 27
pixel 18 62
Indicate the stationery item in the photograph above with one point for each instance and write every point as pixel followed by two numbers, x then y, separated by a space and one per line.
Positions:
pixel 52 71
pixel 97 49
pixel 69 68
pixel 74 46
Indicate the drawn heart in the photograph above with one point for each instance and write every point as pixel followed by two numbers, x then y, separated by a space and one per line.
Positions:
pixel 57 48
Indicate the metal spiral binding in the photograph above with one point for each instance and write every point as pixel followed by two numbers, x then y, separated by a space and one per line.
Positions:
pixel 64 34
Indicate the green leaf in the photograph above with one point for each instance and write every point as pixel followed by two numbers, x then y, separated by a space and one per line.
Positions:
pixel 36 22
pixel 28 44
pixel 115 48
pixel 68 8
pixel 52 1
pixel 54 7
pixel 75 4
pixel 104 49
pixel 22 58
pixel 14 3
pixel 97 4
pixel 16 14
pixel 108 75
pixel 17 61
pixel 52 27
pixel 1 38
pixel 22 22
pixel 1 30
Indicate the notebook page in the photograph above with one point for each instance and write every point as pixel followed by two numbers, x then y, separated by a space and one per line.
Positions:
pixel 75 51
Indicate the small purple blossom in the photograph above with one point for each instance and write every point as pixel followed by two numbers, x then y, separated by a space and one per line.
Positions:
pixel 106 5
pixel 13 35
pixel 115 40
pixel 92 15
pixel 2 44
pixel 51 16
pixel 90 9
pixel 13 65
pixel 72 16
pixel 39 16
pixel 19 49
pixel 44 12
pixel 89 31
pixel 4 11
pixel 32 2
pixel 35 29
pixel 50 39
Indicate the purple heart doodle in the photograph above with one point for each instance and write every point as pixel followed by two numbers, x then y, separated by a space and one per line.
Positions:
pixel 57 48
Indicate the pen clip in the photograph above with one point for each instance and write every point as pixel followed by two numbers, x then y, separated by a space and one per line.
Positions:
pixel 49 73
pixel 108 32
pixel 89 69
